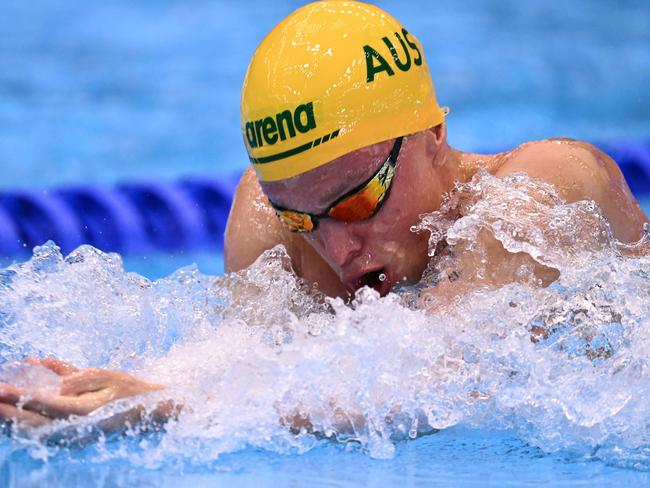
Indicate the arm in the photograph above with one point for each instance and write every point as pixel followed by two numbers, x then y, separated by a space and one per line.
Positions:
pixel 483 264
pixel 252 227
pixel 85 391
pixel 579 172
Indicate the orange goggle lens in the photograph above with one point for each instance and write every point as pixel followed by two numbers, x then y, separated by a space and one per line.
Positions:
pixel 360 204
pixel 296 221
pixel 365 203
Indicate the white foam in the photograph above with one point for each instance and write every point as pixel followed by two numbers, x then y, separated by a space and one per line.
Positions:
pixel 248 353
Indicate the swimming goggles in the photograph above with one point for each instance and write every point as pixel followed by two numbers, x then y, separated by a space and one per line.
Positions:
pixel 360 203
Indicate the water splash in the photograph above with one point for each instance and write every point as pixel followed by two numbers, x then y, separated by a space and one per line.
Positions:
pixel 258 358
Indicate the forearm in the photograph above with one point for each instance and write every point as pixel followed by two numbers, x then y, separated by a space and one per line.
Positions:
pixel 483 263
pixel 137 419
pixel 345 424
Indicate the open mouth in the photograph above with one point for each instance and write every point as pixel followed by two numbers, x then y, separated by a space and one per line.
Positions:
pixel 377 279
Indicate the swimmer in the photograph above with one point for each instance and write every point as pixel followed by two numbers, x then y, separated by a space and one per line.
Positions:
pixel 348 146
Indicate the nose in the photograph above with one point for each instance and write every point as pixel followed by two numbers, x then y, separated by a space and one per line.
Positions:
pixel 338 242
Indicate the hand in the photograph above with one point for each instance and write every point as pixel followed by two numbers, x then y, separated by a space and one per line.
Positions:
pixel 82 391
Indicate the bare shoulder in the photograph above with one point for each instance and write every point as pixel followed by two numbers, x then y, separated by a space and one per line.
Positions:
pixel 252 226
pixel 580 171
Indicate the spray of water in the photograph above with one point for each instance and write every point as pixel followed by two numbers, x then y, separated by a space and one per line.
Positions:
pixel 258 358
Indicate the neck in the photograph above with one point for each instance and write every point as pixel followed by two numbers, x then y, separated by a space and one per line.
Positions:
pixel 456 164
pixel 470 163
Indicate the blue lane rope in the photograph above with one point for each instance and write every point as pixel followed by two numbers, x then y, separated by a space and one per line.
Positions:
pixel 128 218
pixel 634 160
pixel 9 237
pixel 180 216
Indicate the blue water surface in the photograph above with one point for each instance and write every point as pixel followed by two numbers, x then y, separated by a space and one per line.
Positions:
pixel 455 457
pixel 102 92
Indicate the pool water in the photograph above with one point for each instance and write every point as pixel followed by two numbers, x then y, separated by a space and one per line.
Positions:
pixel 119 91
pixel 550 382
pixel 112 91
pixel 455 457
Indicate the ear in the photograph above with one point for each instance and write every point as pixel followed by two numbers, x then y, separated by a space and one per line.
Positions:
pixel 436 137
pixel 440 133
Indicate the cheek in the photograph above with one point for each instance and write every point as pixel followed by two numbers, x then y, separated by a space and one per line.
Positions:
pixel 391 226
pixel 390 236
pixel 398 251
pixel 404 208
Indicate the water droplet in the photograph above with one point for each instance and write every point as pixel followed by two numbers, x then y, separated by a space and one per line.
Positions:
pixel 382 277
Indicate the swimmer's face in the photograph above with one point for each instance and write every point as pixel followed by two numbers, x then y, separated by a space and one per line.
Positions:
pixel 360 251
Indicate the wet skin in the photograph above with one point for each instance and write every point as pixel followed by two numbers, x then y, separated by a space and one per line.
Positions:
pixel 343 256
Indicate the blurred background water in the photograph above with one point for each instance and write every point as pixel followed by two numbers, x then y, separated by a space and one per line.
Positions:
pixel 116 91
pixel 123 90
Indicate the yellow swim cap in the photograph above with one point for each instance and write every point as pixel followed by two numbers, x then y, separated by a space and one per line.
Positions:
pixel 331 78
